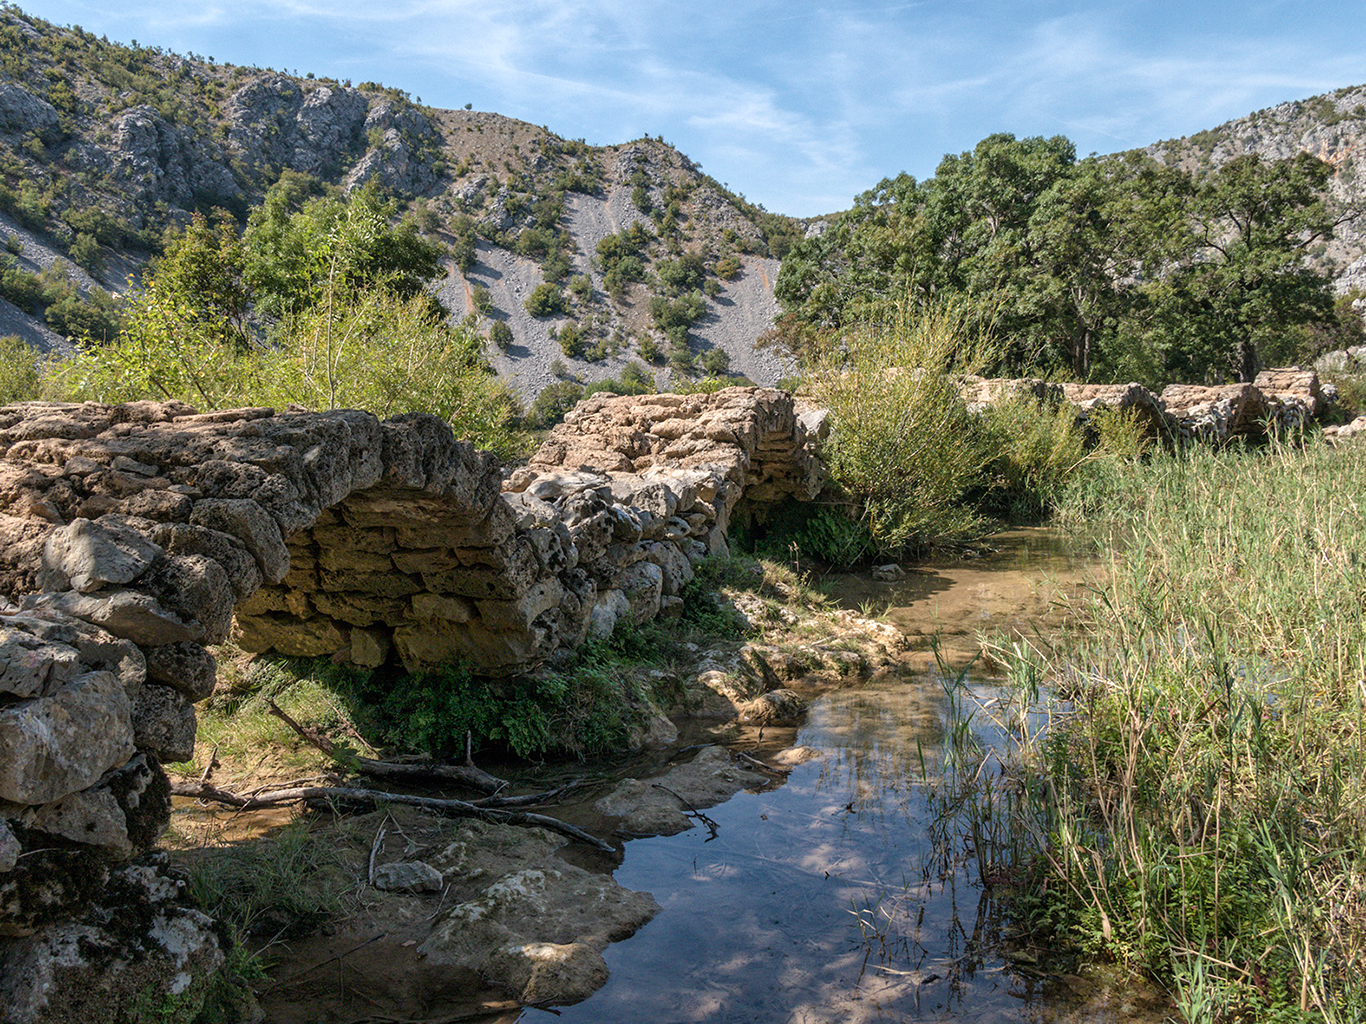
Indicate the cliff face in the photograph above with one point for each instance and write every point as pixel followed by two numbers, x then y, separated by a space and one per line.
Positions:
pixel 1332 127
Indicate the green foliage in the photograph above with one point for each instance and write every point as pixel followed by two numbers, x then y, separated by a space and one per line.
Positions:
pixel 482 299
pixel 302 244
pixel 582 287
pixel 682 275
pixel 571 340
pixel 552 403
pixel 716 362
pixel 1204 794
pixel 675 316
pixel 649 350
pixel 284 885
pixel 545 299
pixel 500 334
pixel 1115 269
pixel 19 377
pixel 727 267
pixel 904 447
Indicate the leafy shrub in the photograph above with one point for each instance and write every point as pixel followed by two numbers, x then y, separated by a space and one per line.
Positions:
pixel 582 286
pixel 482 299
pixel 716 362
pixel 19 377
pixel 649 350
pixel 571 340
pixel 545 299
pixel 501 334
pixel 727 267
pixel 681 275
pixel 552 403
pixel 903 447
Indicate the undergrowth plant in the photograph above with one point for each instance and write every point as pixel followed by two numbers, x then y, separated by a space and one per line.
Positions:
pixel 1205 800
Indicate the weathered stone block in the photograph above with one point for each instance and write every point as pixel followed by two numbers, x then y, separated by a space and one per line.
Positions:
pixel 62 743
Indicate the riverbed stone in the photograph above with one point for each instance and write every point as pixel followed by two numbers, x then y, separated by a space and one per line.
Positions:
pixel 407 876
pixel 657 806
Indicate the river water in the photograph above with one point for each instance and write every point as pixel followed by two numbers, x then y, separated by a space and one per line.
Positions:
pixel 852 892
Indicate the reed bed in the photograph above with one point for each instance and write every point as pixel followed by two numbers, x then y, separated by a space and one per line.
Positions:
pixel 1198 807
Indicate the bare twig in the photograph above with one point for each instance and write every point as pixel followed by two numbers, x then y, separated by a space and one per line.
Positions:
pixel 208 768
pixel 462 775
pixel 374 797
pixel 784 772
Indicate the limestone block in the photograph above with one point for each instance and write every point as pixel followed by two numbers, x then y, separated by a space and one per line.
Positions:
pixel 277 599
pixel 347 559
pixel 360 609
pixel 92 816
pixel 62 743
pixel 86 555
pixel 642 584
pixel 379 540
pixel 610 607
pixel 378 584
pixel 252 525
pixel 244 573
pixel 124 613
pixel 187 667
pixel 370 647
pixel 677 570
pixel 195 588
pixel 441 559
pixel 163 506
pixel 97 649
pixel 301 638
pixel 164 723
pixel 423 646
pixel 519 614
pixel 33 667
pixel 487 582
pixel 447 607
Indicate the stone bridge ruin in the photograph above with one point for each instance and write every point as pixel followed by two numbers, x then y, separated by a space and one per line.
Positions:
pixel 135 536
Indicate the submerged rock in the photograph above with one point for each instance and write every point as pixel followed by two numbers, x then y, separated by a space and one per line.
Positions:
pixel 660 806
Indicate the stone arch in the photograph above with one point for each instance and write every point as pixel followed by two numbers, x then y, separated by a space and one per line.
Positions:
pixel 134 532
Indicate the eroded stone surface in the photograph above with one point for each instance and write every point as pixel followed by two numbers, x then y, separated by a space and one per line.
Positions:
pixel 530 924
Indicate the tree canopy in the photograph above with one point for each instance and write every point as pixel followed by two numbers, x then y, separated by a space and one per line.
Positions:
pixel 1095 268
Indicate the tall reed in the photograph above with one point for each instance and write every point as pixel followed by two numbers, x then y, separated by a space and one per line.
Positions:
pixel 1204 800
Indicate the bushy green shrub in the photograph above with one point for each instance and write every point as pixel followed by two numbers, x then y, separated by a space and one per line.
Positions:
pixel 19 377
pixel 552 403
pixel 501 334
pixel 904 447
pixel 545 299
pixel 571 340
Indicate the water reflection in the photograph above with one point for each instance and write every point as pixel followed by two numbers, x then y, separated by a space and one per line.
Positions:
pixel 826 899
pixel 853 892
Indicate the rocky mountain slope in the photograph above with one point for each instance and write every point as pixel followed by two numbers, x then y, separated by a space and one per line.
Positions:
pixel 103 146
pixel 1332 127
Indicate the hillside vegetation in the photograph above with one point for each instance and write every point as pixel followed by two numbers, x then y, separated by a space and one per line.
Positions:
pixel 104 147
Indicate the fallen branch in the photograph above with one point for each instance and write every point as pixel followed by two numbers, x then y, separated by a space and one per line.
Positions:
pixel 784 772
pixel 374 797
pixel 467 776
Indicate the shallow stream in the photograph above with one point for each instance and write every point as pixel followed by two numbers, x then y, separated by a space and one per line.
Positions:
pixel 847 893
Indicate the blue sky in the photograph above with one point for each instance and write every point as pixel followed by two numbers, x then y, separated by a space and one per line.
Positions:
pixel 799 105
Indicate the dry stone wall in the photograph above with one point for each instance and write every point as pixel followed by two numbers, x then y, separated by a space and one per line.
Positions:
pixel 1277 399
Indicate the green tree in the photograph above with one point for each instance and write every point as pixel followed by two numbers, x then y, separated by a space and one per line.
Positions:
pixel 1247 282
